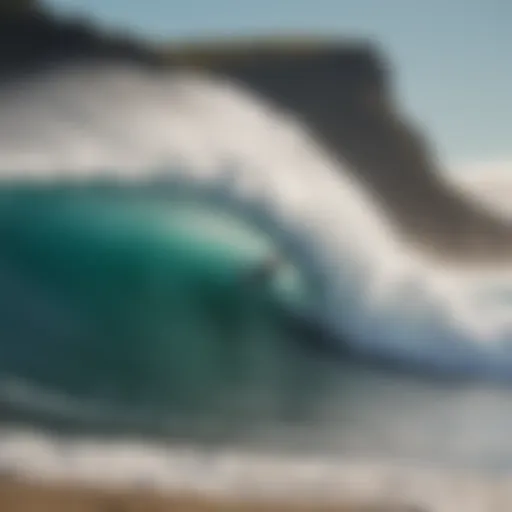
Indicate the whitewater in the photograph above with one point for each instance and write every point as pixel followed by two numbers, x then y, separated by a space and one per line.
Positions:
pixel 162 134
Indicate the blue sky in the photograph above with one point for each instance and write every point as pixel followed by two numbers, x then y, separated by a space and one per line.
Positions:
pixel 452 57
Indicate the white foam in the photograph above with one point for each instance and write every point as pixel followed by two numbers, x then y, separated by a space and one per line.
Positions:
pixel 489 184
pixel 235 472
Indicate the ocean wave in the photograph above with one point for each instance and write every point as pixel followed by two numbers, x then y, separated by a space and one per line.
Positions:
pixel 115 123
pixel 104 153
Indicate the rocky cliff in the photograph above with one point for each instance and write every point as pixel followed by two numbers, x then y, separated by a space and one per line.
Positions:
pixel 342 91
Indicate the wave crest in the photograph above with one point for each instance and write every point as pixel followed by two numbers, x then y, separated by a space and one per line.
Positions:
pixel 165 130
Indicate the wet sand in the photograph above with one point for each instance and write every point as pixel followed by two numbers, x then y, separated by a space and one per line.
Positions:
pixel 16 496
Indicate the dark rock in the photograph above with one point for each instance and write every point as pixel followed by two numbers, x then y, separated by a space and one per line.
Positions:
pixel 344 95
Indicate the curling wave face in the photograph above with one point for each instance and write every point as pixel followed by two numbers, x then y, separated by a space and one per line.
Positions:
pixel 168 132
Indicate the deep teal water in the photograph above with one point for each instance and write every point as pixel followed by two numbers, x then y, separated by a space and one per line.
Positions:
pixel 142 304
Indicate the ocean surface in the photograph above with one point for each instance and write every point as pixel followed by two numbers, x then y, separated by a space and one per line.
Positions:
pixel 139 343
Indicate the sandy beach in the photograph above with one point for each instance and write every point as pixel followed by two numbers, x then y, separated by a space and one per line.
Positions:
pixel 16 496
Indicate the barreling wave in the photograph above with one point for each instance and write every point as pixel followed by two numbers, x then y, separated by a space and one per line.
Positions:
pixel 132 128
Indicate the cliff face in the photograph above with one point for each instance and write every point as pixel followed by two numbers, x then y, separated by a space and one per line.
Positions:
pixel 344 95
pixel 341 91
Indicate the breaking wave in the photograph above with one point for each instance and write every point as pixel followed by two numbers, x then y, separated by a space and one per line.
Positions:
pixel 131 203
pixel 162 131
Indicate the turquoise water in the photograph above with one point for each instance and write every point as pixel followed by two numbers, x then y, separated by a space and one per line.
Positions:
pixel 144 303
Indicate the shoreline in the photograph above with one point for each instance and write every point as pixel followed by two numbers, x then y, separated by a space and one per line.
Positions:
pixel 19 496
pixel 50 474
